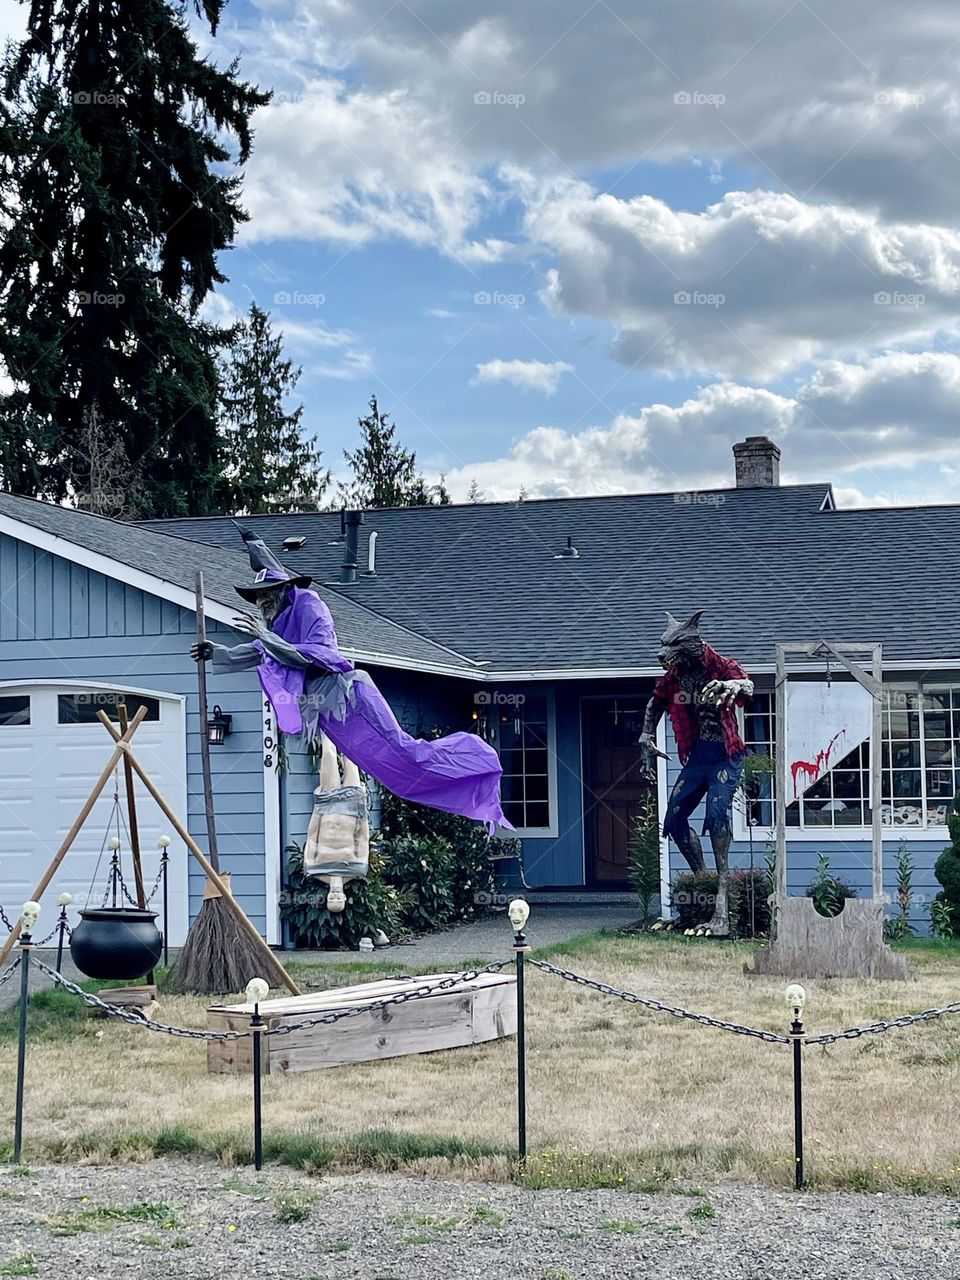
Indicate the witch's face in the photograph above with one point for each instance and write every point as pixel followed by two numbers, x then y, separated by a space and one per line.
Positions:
pixel 272 603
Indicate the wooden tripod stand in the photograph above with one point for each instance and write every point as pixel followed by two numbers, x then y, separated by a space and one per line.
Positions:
pixel 122 751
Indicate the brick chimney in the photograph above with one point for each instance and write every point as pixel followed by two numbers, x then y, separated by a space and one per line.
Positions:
pixel 757 462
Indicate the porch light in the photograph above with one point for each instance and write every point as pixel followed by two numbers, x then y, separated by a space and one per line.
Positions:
pixel 218 726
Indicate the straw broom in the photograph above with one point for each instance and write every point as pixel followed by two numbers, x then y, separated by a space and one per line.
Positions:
pixel 218 956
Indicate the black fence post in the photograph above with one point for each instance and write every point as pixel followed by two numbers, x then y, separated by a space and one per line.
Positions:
pixel 796 998
pixel 164 862
pixel 26 946
pixel 519 913
pixel 64 900
pixel 256 1025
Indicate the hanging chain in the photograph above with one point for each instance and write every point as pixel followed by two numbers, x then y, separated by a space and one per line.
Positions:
pixel 322 1020
pixel 147 897
pixel 658 1005
pixel 10 970
pixel 877 1028
pixel 5 921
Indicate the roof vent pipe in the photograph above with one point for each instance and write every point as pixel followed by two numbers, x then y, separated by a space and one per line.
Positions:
pixel 341 538
pixel 371 570
pixel 569 552
pixel 348 569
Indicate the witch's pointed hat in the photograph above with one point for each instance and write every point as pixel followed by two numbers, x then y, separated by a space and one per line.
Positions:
pixel 268 569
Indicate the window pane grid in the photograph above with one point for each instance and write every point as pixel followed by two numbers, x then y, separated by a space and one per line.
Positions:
pixel 522 737
pixel 920 764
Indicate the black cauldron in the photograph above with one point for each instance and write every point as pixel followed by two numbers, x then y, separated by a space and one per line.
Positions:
pixel 120 943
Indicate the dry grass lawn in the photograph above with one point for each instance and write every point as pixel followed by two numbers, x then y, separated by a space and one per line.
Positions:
pixel 616 1095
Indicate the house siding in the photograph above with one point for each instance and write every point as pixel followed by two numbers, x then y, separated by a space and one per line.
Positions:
pixel 59 620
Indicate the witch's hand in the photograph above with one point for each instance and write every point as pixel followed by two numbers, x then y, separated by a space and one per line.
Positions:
pixel 250 625
pixel 202 651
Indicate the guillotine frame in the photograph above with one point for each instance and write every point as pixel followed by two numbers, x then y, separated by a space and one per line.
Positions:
pixel 806 944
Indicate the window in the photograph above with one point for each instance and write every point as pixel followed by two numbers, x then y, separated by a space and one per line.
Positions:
pixel 14 711
pixel 522 735
pixel 921 764
pixel 82 708
pixel 758 739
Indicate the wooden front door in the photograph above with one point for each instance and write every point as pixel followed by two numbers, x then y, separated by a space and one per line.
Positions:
pixel 612 785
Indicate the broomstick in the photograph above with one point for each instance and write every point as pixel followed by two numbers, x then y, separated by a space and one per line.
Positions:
pixel 218 956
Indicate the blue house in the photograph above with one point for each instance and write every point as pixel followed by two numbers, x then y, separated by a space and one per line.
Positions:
pixel 534 623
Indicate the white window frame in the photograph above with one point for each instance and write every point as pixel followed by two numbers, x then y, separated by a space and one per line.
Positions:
pixel 924 831
pixel 552 831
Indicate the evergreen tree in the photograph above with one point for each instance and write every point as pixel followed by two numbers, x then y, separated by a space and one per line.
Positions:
pixel 269 464
pixel 117 197
pixel 475 493
pixel 384 472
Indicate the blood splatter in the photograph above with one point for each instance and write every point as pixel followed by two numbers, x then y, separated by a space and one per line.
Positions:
pixel 812 769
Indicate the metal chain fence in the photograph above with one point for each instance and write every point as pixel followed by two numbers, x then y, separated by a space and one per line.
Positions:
pixel 321 1020
pixel 258 1028
pixel 131 900
pixel 659 1006
pixel 8 973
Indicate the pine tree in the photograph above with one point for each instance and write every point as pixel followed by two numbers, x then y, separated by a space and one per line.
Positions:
pixel 269 463
pixel 384 472
pixel 475 493
pixel 105 483
pixel 117 196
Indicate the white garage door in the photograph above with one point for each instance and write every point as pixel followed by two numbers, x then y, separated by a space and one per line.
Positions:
pixel 52 750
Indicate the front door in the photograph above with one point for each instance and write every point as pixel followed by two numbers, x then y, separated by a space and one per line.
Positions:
pixel 613 787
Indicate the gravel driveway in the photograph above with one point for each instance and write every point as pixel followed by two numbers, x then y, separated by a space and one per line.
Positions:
pixel 195 1220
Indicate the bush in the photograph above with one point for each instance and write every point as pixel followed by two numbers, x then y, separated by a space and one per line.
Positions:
pixel 372 904
pixel 643 852
pixel 829 892
pixel 693 897
pixel 947 871
pixel 457 882
pixel 426 870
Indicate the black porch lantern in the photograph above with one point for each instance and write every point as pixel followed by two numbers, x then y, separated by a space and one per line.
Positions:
pixel 218 726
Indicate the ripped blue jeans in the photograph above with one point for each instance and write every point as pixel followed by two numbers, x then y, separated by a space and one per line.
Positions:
pixel 709 772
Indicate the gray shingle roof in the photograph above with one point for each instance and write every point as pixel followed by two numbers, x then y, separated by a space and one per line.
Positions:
pixel 765 564
pixel 173 558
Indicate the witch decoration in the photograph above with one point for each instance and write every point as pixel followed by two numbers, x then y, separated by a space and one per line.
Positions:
pixel 316 692
pixel 700 691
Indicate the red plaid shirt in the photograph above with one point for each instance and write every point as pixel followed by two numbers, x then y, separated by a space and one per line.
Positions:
pixel 682 715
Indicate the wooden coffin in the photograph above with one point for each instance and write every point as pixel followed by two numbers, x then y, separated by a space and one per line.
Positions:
pixel 483 1008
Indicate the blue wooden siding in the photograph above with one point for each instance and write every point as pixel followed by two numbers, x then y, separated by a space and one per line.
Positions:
pixel 59 620
pixel 557 861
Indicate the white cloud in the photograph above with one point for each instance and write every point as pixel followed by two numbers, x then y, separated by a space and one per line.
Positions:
pixel 894 411
pixel 529 375
pixel 855 104
pixel 753 286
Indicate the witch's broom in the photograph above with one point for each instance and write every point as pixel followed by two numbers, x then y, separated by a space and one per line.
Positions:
pixel 218 956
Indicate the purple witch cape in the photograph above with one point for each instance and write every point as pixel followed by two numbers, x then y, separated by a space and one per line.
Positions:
pixel 459 773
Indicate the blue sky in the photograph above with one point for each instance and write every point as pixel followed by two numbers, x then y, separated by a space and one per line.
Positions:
pixel 583 247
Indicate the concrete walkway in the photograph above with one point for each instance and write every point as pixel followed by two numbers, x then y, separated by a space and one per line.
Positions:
pixel 485 940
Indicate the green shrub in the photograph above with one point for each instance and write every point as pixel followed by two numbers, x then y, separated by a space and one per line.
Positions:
pixel 947 871
pixel 828 891
pixel 692 898
pixel 426 870
pixel 372 904
pixel 457 883
pixel 643 853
